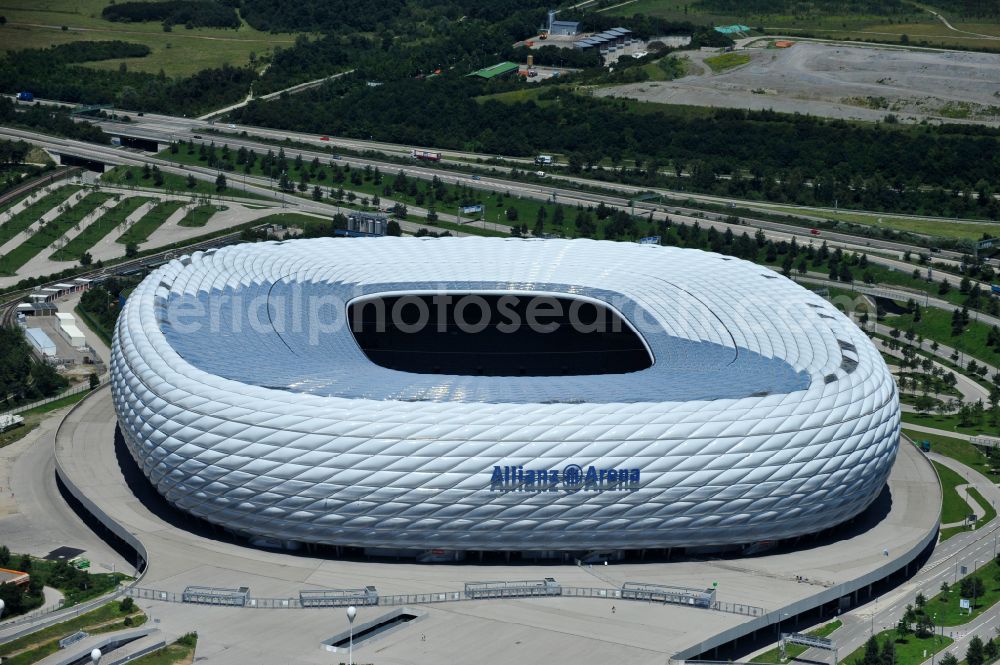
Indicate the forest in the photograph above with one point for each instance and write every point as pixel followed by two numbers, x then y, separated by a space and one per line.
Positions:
pixel 23 378
pixel 13 153
pixel 51 120
pixel 189 13
pixel 777 157
pixel 53 73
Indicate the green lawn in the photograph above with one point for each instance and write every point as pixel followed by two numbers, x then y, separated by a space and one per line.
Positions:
pixel 152 220
pixel 102 227
pixel 935 324
pixel 50 232
pixel 946 422
pixel 180 651
pixel 56 632
pixel 30 215
pixel 172 182
pixel 199 215
pixel 942 228
pixel 953 508
pixel 179 52
pixel 793 651
pixel 720 63
pixel 909 649
pixel 959 450
pixel 946 605
pixel 980 523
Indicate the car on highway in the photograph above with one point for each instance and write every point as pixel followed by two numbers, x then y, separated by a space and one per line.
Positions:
pixel 337 157
pixel 324 138
pixel 815 232
pixel 197 136
pixel 475 177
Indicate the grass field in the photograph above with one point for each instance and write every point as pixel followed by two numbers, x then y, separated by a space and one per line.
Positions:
pixel 919 25
pixel 40 644
pixel 33 417
pixel 30 215
pixel 178 653
pixel 110 220
pixel 959 450
pixel 50 232
pixel 935 324
pixel 910 649
pixel 199 215
pixel 953 507
pixel 720 63
pixel 793 651
pixel 946 605
pixel 941 228
pixel 152 220
pixel 180 52
pixel 172 182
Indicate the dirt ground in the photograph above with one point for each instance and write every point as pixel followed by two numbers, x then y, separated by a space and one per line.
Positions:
pixel 841 81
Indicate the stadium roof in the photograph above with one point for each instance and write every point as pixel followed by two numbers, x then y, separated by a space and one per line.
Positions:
pixel 240 390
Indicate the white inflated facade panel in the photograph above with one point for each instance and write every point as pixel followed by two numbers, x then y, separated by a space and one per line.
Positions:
pixel 766 413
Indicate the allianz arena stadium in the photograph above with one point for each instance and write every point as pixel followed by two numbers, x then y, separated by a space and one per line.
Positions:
pixel 484 394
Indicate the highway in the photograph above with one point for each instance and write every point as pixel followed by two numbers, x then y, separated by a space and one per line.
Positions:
pixel 170 127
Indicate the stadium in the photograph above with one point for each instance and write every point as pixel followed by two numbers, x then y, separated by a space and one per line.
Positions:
pixel 482 394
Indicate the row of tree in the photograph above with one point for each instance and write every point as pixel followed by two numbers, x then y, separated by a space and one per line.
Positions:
pixel 190 13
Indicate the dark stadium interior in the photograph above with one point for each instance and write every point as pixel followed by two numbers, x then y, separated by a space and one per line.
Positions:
pixel 495 335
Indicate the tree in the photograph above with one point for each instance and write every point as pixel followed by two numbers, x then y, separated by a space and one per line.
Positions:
pixel 86 259
pixel 191 182
pixel 317 193
pixel 157 176
pixel 949 659
pixel 94 381
pixel 871 656
pixel 131 250
pixel 220 182
pixel 975 654
pixel 920 601
pixel 888 653
pixel 126 605
pixel 393 228
pixel 4 556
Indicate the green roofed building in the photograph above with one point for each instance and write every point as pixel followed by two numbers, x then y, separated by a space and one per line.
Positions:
pixel 732 29
pixel 501 69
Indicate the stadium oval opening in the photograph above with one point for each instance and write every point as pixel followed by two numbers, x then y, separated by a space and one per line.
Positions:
pixel 496 334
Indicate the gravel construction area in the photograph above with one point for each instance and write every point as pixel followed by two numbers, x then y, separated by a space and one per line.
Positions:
pixel 841 81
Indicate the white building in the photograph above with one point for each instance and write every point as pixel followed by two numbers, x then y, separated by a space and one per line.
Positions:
pixel 682 398
pixel 69 330
pixel 40 341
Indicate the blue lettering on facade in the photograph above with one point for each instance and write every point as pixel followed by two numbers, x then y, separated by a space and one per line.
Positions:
pixel 572 477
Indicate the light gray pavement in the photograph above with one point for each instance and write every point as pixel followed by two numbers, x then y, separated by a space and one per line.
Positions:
pixel 179 558
pixel 34 518
pixel 41 263
pixel 839 81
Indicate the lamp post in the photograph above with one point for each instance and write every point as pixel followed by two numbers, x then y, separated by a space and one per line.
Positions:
pixel 352 612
